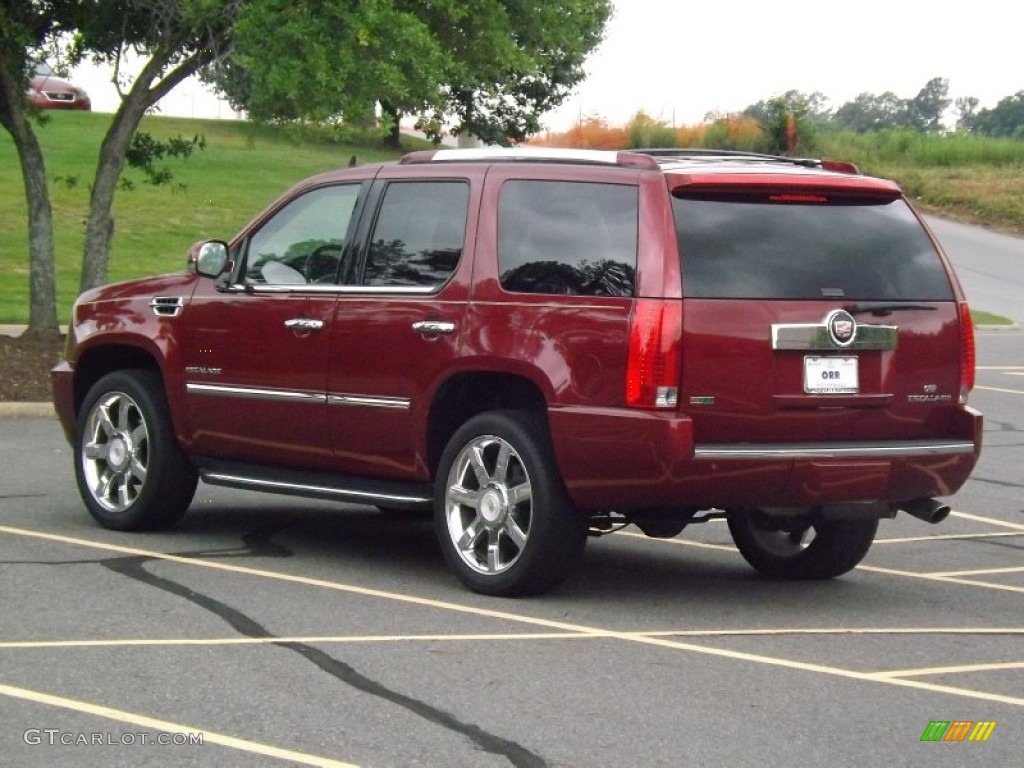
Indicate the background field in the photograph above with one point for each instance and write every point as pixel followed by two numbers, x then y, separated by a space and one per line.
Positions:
pixel 244 167
pixel 213 194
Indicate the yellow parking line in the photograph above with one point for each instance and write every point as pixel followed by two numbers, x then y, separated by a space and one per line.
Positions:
pixel 948 537
pixel 1001 389
pixel 210 642
pixel 943 579
pixel 979 571
pixel 679 542
pixel 321 639
pixel 660 642
pixel 838 631
pixel 960 669
pixel 209 737
pixel 989 520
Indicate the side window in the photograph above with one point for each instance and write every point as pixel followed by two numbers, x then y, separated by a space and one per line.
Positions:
pixel 418 236
pixel 303 242
pixel 566 237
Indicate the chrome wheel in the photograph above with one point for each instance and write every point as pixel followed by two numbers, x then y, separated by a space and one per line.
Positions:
pixel 115 451
pixel 489 505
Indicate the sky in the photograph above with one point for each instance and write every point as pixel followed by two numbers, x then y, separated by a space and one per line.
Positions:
pixel 686 59
pixel 678 61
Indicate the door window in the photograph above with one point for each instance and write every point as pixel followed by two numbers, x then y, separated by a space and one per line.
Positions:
pixel 302 243
pixel 419 233
pixel 566 237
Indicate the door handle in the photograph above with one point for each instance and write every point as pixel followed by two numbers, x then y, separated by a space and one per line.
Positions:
pixel 303 324
pixel 433 327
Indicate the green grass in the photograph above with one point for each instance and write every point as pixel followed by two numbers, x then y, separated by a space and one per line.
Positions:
pixel 214 193
pixel 244 167
pixel 988 318
pixel 971 178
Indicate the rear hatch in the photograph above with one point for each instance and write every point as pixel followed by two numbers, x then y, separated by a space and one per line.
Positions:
pixel 816 309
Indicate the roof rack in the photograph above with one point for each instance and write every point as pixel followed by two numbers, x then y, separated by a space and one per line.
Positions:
pixel 839 166
pixel 628 159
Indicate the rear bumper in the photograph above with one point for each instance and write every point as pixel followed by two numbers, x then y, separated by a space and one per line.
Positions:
pixel 620 459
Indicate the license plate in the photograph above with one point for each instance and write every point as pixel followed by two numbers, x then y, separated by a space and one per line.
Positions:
pixel 831 376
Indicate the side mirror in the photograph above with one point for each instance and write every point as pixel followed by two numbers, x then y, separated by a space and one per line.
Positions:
pixel 208 258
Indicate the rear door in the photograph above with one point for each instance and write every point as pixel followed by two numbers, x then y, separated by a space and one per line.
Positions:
pixel 399 318
pixel 813 315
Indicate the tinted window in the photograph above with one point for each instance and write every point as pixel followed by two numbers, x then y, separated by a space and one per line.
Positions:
pixel 751 247
pixel 302 242
pixel 567 237
pixel 418 236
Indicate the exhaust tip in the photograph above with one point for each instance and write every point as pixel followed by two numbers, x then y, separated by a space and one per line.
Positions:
pixel 930 510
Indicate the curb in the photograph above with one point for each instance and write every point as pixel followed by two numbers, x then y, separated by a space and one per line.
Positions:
pixel 10 410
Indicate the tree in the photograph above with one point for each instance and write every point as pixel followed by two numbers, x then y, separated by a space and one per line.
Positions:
pixel 492 66
pixel 814 105
pixel 176 38
pixel 790 120
pixel 645 131
pixel 966 108
pixel 869 112
pixel 24 28
pixel 925 110
pixel 1004 119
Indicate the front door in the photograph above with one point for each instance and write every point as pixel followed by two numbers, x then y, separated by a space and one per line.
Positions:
pixel 256 358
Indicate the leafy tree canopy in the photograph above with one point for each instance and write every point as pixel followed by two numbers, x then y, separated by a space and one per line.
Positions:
pixel 490 66
pixel 1004 119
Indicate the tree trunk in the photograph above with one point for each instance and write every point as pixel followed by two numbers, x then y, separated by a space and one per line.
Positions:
pixel 42 289
pixel 394 137
pixel 99 230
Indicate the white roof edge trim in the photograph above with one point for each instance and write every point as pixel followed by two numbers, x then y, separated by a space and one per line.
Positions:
pixel 610 157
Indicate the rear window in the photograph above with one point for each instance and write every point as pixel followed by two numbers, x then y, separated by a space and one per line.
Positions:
pixel 793 246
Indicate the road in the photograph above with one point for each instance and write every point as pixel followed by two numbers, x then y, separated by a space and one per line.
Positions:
pixel 302 633
pixel 284 632
pixel 990 266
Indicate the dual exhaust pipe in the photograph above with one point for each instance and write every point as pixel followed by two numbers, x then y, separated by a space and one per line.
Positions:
pixel 929 510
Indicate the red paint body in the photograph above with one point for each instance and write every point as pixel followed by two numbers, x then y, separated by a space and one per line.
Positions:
pixel 570 350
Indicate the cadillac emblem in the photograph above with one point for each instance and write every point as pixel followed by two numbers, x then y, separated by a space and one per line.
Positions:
pixel 842 328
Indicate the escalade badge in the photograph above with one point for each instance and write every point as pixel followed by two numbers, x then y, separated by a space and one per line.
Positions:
pixel 842 328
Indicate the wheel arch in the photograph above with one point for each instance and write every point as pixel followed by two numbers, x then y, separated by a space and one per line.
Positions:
pixel 464 395
pixel 97 361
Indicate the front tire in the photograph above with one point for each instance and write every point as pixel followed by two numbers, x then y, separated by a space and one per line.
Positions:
pixel 503 518
pixel 131 472
pixel 793 550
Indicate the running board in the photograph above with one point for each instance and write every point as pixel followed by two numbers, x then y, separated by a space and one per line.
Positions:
pixel 316 485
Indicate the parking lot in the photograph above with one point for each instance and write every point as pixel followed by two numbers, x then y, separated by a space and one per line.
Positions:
pixel 277 632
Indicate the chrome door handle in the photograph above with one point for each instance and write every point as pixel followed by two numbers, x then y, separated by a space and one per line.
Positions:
pixel 303 324
pixel 433 327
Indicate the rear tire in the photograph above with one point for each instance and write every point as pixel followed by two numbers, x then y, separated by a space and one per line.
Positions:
pixel 131 472
pixel 502 515
pixel 836 546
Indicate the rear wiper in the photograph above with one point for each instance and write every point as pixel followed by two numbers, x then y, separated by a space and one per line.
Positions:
pixel 882 310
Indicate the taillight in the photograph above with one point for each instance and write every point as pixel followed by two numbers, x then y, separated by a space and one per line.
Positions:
pixel 967 353
pixel 655 343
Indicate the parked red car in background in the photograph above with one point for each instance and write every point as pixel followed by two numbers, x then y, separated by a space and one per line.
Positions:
pixel 47 91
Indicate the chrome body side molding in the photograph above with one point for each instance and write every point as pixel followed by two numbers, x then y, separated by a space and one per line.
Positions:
pixel 262 393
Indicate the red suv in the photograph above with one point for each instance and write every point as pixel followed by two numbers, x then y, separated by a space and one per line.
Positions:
pixel 538 344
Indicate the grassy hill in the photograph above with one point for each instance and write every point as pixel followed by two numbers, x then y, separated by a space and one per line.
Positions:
pixel 244 167
pixel 213 194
